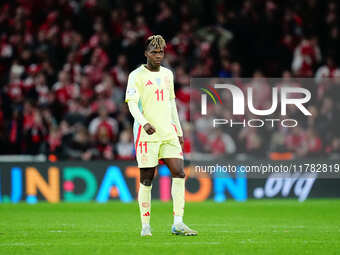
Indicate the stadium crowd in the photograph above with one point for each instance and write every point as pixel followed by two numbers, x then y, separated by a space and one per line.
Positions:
pixel 64 66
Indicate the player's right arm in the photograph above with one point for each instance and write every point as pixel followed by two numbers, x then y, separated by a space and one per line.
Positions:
pixel 138 116
pixel 132 97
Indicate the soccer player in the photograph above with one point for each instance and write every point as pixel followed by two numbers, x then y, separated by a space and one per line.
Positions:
pixel 157 132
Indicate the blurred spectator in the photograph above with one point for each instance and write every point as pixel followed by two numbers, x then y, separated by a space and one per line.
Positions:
pixel 306 56
pixel 54 143
pixel 104 121
pixel 252 141
pixel 261 91
pixel 225 71
pixel 78 145
pixel 125 147
pixel 15 133
pixel 221 143
pixel 64 89
pixel 104 143
pixel 120 71
pixel 329 70
pixel 34 131
pixel 297 142
pixel 325 75
pixel 314 143
pixel 334 147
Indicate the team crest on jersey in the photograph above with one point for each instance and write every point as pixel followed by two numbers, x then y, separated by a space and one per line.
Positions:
pixel 144 158
pixel 158 81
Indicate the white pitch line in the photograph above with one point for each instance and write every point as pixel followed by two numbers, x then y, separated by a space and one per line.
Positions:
pixel 107 244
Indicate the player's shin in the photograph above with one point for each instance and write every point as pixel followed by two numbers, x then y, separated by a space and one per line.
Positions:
pixel 144 200
pixel 178 197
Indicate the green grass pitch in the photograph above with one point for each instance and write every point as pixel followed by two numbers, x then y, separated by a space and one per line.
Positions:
pixel 252 227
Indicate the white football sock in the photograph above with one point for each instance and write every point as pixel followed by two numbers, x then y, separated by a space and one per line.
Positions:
pixel 178 197
pixel 144 201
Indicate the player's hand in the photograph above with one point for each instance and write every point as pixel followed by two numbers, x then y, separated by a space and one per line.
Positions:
pixel 149 129
pixel 181 141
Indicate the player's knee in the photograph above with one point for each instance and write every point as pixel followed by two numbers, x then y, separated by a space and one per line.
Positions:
pixel 178 174
pixel 146 182
pixel 181 175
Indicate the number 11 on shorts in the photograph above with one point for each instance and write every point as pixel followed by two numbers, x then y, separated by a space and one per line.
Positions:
pixel 141 144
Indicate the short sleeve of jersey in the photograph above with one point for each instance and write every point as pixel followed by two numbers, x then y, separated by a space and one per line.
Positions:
pixel 132 93
pixel 172 86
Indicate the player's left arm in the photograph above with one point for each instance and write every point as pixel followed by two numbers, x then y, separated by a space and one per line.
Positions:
pixel 175 120
pixel 174 112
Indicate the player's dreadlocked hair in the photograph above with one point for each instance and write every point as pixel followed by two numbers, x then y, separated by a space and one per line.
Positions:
pixel 155 41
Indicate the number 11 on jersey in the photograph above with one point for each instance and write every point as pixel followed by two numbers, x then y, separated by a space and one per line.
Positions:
pixel 141 144
pixel 159 92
